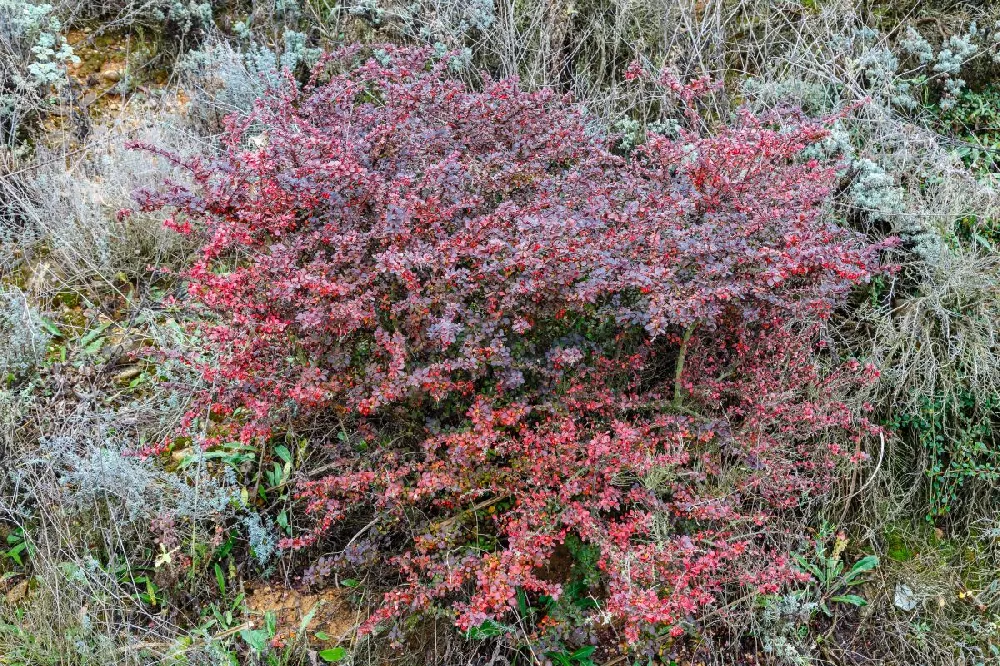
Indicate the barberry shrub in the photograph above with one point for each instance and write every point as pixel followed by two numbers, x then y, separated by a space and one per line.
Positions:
pixel 531 338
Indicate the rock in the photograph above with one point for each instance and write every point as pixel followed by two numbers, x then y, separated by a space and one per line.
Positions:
pixel 179 456
pixel 129 374
pixel 18 592
pixel 111 74
pixel 904 599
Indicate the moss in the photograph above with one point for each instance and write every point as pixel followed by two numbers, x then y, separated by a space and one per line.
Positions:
pixel 70 299
pixel 74 318
pixel 897 547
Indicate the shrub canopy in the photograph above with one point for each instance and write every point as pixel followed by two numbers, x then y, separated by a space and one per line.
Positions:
pixel 532 338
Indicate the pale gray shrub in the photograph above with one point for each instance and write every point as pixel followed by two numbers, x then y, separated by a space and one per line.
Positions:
pixel 80 610
pixel 262 536
pixel 941 341
pixel 33 58
pixel 78 496
pixel 876 192
pixel 180 17
pixel 74 201
pixel 186 15
pixel 11 415
pixel 444 21
pixel 15 193
pixel 937 189
pixel 260 60
pixel 917 46
pixel 956 52
pixel 902 175
pixel 295 51
pixel 140 488
pixel 220 81
pixel 23 337
pixel 571 46
pixel 812 96
pixel 223 80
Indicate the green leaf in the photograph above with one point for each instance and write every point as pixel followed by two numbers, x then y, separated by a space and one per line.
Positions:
pixel 255 638
pixel 863 565
pixel 50 327
pixel 307 618
pixel 982 241
pixel 271 622
pixel 93 347
pixel 838 568
pixel 282 452
pixel 559 658
pixel 522 602
pixel 92 341
pixel 151 591
pixel 488 629
pixel 333 654
pixel 15 553
pixel 583 652
pixel 852 599
pixel 350 582
pixel 225 548
pixel 220 579
pixel 322 636
pixel 811 568
pixel 209 455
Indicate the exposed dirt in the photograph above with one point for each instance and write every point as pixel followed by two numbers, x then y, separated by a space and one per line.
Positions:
pixel 113 68
pixel 333 615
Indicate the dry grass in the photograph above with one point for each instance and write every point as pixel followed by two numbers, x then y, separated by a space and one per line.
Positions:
pixel 943 338
pixel 70 200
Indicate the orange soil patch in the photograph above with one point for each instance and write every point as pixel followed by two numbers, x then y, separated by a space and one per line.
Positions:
pixel 334 615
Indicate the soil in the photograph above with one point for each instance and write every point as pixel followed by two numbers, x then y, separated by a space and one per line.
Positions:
pixel 333 615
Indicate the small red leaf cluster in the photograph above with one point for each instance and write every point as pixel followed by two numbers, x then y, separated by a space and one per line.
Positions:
pixel 536 337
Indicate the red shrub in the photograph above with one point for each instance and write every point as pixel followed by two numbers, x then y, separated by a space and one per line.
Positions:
pixel 615 349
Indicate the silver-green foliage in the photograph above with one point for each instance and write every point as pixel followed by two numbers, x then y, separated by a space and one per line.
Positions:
pixel 33 59
pixel 23 334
